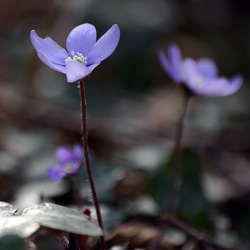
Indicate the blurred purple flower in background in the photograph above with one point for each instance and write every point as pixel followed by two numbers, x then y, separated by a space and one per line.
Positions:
pixel 83 53
pixel 200 77
pixel 69 162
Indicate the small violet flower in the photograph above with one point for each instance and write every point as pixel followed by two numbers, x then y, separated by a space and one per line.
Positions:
pixel 69 162
pixel 200 77
pixel 83 52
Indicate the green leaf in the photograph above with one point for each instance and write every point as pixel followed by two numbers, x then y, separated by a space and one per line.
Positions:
pixel 46 242
pixel 8 242
pixel 6 209
pixel 12 224
pixel 190 195
pixel 20 225
pixel 63 218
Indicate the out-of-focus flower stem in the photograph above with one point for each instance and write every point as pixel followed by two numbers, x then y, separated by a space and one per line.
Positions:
pixel 176 175
pixel 76 179
pixel 86 155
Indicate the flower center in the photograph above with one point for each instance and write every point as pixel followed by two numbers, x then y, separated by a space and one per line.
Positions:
pixel 78 57
pixel 198 81
pixel 71 168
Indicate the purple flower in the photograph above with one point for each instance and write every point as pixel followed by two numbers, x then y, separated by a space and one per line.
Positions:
pixel 83 53
pixel 69 163
pixel 201 76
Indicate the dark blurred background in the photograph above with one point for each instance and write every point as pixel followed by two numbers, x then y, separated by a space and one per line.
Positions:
pixel 133 108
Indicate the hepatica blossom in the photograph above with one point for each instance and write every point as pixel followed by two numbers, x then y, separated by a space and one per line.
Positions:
pixel 69 162
pixel 200 77
pixel 83 52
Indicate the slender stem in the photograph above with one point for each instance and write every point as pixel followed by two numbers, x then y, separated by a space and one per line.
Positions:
pixel 176 178
pixel 86 154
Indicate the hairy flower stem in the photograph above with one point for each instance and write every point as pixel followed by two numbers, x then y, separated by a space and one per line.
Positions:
pixel 176 177
pixel 86 155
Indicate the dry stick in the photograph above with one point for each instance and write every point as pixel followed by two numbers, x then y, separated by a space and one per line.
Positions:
pixel 86 154
pixel 191 232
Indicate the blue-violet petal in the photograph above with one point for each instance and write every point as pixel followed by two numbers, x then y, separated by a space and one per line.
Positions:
pixel 81 39
pixel 76 71
pixel 175 57
pixel 63 155
pixel 49 49
pixel 207 68
pixel 105 46
pixel 56 173
pixel 168 67
pixel 54 66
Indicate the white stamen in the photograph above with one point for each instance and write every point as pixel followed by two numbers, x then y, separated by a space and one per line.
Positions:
pixel 69 167
pixel 78 57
